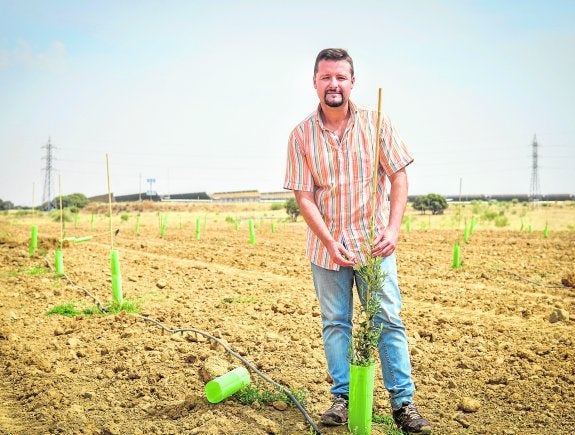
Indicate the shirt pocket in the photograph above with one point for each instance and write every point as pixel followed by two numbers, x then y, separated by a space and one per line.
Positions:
pixel 323 164
pixel 361 158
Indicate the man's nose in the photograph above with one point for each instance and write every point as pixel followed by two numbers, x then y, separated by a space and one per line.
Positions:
pixel 333 82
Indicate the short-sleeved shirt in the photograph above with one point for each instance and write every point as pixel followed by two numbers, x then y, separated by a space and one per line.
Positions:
pixel 340 175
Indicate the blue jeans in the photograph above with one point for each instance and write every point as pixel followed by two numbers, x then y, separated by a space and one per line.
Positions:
pixel 335 296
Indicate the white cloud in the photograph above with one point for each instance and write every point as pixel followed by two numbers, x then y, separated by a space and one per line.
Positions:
pixel 53 59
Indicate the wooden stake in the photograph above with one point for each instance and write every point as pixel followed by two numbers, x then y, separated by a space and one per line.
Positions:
pixel 109 204
pixel 61 213
pixel 376 162
pixel 460 183
pixel 33 195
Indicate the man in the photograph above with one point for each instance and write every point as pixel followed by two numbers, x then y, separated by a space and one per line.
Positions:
pixel 330 168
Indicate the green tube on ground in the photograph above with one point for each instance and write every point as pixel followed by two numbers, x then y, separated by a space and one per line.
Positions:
pixel 33 240
pixel 227 384
pixel 466 234
pixel 92 221
pixel 456 260
pixel 360 399
pixel 522 225
pixel 82 239
pixel 408 224
pixel 59 262
pixel 273 227
pixel 237 224
pixel 117 295
pixel 198 229
pixel 546 231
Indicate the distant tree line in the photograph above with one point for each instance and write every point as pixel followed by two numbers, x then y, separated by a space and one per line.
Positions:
pixel 74 200
pixel 433 202
pixel 6 205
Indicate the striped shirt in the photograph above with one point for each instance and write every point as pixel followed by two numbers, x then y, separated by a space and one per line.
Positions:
pixel 340 174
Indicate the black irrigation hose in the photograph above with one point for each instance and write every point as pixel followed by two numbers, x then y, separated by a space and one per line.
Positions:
pixel 211 337
pixel 243 360
pixel 73 284
pixel 497 269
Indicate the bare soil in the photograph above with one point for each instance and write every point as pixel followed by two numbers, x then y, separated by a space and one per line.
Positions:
pixel 492 344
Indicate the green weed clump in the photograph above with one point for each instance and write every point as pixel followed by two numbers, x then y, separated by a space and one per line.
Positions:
pixel 387 424
pixel 130 307
pixel 238 300
pixel 69 310
pixel 66 215
pixel 501 221
pixel 489 215
pixel 35 270
pixel 251 394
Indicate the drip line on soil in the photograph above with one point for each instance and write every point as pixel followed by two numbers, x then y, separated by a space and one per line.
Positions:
pixel 208 336
pixel 497 269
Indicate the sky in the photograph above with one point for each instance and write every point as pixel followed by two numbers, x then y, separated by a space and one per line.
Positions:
pixel 202 95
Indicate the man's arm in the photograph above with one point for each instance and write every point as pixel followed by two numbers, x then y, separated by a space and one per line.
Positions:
pixel 385 243
pixel 310 212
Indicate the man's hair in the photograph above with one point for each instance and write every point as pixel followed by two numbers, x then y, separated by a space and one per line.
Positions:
pixel 333 54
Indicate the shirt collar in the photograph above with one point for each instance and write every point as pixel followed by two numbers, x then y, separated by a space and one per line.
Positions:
pixel 352 108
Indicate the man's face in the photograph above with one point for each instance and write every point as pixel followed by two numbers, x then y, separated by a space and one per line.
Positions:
pixel 333 82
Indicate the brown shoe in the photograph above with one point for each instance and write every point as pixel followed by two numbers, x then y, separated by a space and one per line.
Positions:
pixel 337 414
pixel 410 421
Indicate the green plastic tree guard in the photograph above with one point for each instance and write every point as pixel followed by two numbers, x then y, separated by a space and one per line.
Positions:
pixel 33 241
pixel 117 295
pixel 456 260
pixel 360 399
pixel 59 262
pixel 252 232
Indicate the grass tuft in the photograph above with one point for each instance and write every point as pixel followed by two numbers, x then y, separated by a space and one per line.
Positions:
pixel 251 394
pixel 34 270
pixel 128 306
pixel 387 424
pixel 70 310
pixel 238 300
pixel 67 310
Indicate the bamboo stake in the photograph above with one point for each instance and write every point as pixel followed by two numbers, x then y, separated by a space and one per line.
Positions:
pixel 61 212
pixel 33 197
pixel 376 162
pixel 109 204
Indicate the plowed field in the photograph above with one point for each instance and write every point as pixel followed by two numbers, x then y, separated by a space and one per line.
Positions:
pixel 479 334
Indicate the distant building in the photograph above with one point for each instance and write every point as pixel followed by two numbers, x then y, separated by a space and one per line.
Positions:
pixel 281 196
pixel 238 196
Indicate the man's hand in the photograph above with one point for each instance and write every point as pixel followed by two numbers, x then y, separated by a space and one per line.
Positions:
pixel 340 255
pixel 385 243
